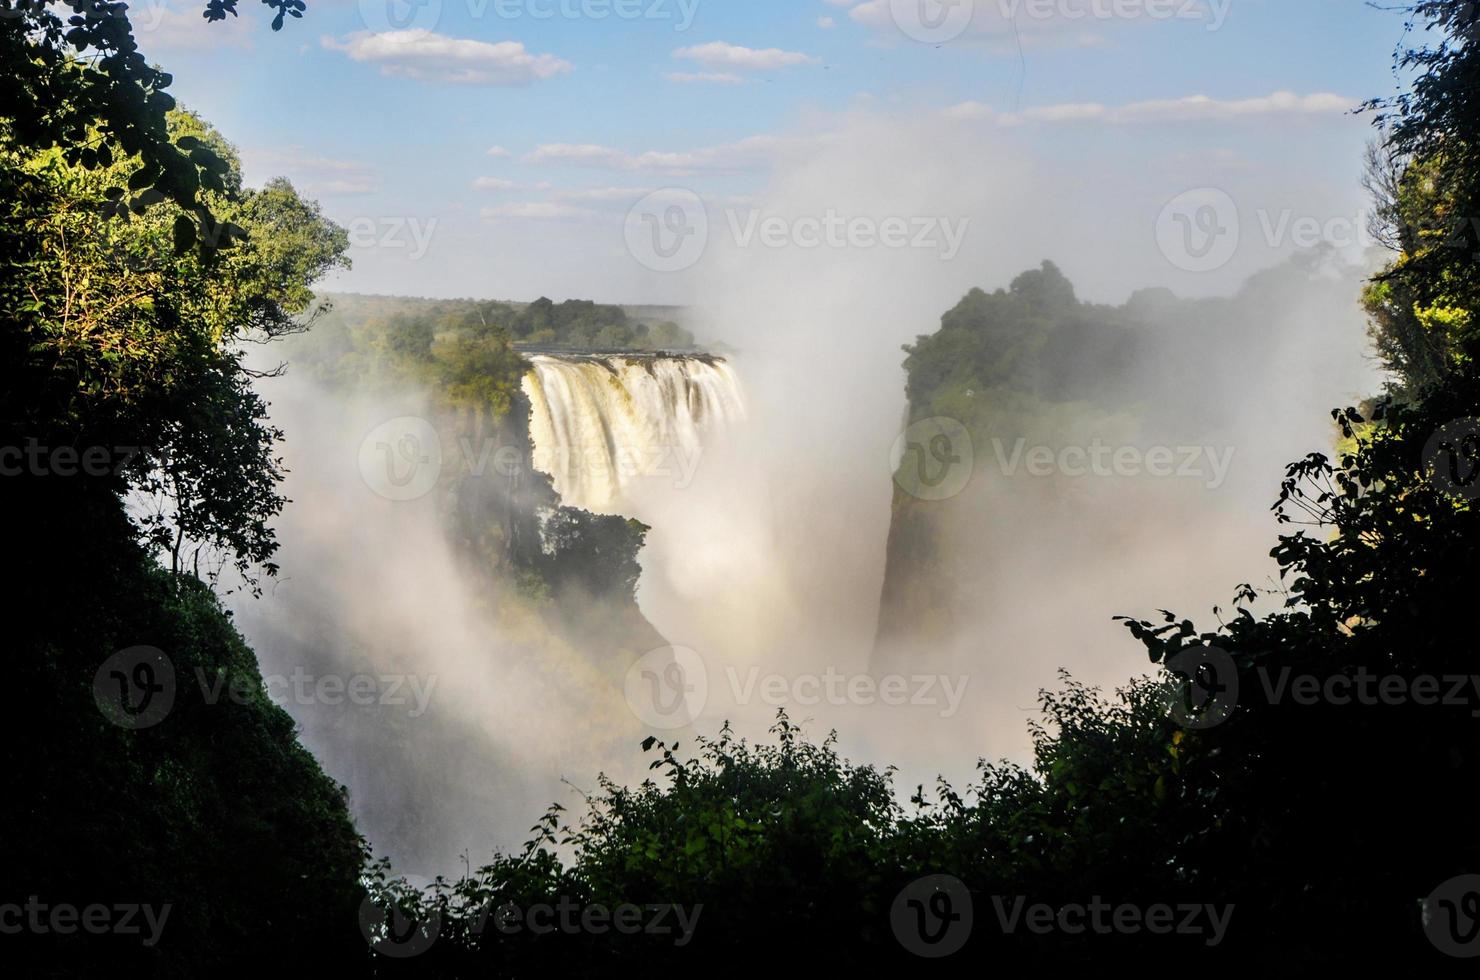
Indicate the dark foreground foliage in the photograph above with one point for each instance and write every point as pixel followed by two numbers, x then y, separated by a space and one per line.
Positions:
pixel 216 812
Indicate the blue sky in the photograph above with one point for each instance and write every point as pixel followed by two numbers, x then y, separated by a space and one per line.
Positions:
pixel 519 131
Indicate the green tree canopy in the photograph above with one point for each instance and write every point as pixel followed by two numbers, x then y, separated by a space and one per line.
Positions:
pixel 117 340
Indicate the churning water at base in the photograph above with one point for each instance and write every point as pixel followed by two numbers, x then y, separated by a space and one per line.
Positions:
pixel 600 423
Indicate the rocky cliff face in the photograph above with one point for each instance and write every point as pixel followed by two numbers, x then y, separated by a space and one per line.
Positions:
pixel 446 575
pixel 1061 455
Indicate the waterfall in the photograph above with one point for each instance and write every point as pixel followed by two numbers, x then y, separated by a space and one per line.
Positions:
pixel 599 423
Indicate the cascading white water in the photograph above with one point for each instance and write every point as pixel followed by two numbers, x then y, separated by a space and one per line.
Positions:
pixel 600 423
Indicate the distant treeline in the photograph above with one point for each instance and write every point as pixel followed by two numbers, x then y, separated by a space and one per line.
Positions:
pixel 580 324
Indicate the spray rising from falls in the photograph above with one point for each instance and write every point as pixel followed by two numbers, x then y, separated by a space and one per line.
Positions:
pixel 600 423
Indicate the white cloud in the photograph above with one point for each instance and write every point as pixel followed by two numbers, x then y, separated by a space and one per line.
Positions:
pixel 498 151
pixel 1065 112
pixel 603 195
pixel 426 55
pixel 968 110
pixel 616 199
pixel 720 55
pixel 313 175
pixel 752 153
pixel 1202 107
pixel 536 211
pixel 826 23
pixel 722 77
pixel 579 154
pixel 1192 108
pixel 504 184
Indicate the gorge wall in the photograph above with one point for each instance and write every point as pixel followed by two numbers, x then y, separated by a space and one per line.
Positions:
pixel 491 618
pixel 1062 461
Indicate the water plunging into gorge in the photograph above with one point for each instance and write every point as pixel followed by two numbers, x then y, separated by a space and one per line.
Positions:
pixel 599 423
